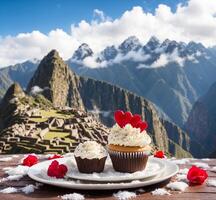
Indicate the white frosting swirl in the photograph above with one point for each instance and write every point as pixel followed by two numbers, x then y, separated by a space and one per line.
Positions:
pixel 90 150
pixel 128 136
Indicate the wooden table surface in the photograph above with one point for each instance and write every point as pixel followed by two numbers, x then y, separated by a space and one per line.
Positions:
pixel 51 192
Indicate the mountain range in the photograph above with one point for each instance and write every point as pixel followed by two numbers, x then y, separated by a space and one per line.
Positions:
pixel 55 81
pixel 201 122
pixel 172 75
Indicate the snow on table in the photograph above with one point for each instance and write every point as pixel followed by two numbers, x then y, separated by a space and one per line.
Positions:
pixel 14 184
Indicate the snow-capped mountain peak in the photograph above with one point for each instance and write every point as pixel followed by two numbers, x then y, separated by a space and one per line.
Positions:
pixel 132 43
pixel 82 52
pixel 193 46
pixel 153 40
pixel 170 45
pixel 108 53
pixel 152 44
pixel 154 51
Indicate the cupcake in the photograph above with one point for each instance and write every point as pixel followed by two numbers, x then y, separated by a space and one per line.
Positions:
pixel 128 143
pixel 90 157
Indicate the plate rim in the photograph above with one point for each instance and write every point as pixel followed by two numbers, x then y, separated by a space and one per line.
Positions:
pixel 109 186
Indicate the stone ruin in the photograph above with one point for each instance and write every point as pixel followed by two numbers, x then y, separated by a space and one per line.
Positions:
pixel 27 136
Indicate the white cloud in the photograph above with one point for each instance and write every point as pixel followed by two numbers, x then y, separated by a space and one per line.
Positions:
pixel 100 16
pixel 192 58
pixel 141 65
pixel 164 59
pixel 137 56
pixel 192 21
pixel 36 90
pixel 35 45
pixel 91 62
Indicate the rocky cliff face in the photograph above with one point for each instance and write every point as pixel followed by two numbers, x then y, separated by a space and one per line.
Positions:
pixel 63 87
pixel 59 84
pixel 7 106
pixel 14 91
pixel 201 122
pixel 5 82
pixel 179 139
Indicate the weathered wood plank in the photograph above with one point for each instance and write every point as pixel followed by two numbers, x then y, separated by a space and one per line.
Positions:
pixel 55 196
pixel 50 192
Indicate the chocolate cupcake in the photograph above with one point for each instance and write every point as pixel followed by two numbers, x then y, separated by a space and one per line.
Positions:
pixel 90 157
pixel 128 143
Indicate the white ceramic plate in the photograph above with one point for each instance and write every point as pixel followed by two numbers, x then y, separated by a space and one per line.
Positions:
pixel 38 173
pixel 153 168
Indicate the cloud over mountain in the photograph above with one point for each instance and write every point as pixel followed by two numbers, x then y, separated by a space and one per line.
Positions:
pixel 194 20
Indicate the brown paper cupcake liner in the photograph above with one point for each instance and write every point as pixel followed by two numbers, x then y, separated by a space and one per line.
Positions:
pixel 128 161
pixel 90 165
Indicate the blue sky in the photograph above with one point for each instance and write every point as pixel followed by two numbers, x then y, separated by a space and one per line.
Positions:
pixel 31 28
pixel 27 15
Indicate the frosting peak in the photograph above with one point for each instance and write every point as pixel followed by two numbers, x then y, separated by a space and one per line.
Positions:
pixel 90 150
pixel 128 136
